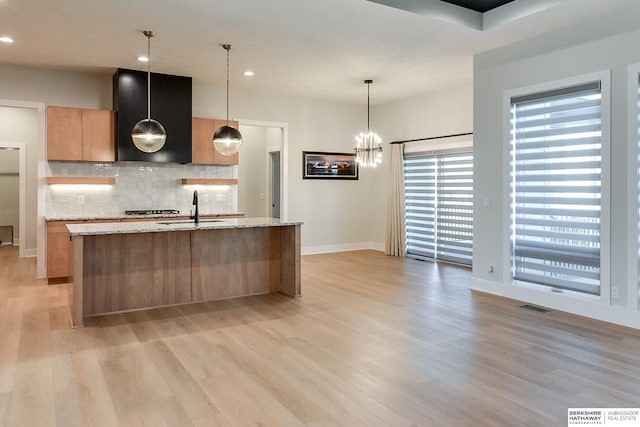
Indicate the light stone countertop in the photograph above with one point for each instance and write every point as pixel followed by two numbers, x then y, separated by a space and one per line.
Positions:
pixel 132 227
pixel 124 216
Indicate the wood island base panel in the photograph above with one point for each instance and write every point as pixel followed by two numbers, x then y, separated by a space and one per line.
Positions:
pixel 123 267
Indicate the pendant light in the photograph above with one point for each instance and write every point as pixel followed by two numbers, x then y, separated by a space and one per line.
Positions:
pixel 368 145
pixel 148 135
pixel 227 139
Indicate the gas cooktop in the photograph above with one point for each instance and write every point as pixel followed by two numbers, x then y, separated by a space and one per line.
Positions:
pixel 153 212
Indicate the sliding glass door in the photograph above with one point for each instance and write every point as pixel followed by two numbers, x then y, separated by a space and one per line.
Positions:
pixel 439 206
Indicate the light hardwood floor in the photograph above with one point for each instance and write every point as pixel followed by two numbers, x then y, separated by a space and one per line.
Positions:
pixel 373 341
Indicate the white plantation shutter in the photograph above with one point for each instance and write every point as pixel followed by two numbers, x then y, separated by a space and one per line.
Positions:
pixel 556 187
pixel 439 206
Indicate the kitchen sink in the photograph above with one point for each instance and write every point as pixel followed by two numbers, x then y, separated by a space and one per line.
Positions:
pixel 190 221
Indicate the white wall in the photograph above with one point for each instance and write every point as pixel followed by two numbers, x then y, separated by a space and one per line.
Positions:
pixel 9 191
pixel 273 138
pixel 446 112
pixel 254 174
pixel 21 125
pixel 253 183
pixel 52 87
pixel 56 87
pixel 338 215
pixel 332 211
pixel 565 54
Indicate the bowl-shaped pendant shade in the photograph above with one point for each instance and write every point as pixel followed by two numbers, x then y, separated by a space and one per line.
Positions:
pixel 227 140
pixel 148 135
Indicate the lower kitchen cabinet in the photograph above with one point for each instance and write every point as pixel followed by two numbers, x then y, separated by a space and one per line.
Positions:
pixel 58 246
pixel 59 243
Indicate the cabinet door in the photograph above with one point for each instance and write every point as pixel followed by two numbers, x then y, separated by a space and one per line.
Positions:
pixel 64 133
pixel 98 136
pixel 202 151
pixel 221 159
pixel 58 246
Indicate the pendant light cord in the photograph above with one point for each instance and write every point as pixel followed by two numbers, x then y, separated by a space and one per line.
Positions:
pixel 368 86
pixel 148 76
pixel 227 87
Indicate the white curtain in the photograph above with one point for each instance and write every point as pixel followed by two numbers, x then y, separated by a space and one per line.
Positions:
pixel 395 238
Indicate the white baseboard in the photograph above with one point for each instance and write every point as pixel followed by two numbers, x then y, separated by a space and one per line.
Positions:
pixel 581 306
pixel 487 286
pixel 30 252
pixel 377 246
pixel 343 247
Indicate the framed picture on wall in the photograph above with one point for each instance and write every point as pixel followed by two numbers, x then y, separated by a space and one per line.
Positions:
pixel 323 165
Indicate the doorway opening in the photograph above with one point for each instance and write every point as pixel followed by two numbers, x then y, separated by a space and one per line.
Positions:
pixel 274 179
pixel 25 121
pixel 12 202
pixel 262 173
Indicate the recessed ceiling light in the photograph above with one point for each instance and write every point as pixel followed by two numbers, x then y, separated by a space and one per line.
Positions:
pixel 143 59
pixel 5 39
pixel 249 73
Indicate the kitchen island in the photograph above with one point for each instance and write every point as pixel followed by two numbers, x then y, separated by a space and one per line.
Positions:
pixel 137 265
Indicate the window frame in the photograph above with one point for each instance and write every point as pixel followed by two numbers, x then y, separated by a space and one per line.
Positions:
pixel 605 233
pixel 633 189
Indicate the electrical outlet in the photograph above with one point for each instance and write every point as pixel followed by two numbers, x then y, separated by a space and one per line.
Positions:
pixel 492 269
pixel 486 202
pixel 205 198
pixel 615 292
pixel 81 199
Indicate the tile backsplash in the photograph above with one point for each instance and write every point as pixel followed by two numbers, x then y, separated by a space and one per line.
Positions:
pixel 138 186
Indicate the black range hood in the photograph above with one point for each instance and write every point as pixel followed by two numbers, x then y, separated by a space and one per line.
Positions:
pixel 170 105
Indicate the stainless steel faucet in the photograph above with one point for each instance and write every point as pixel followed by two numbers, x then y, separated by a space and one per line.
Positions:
pixel 196 216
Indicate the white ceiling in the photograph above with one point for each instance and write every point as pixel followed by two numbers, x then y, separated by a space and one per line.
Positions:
pixel 318 48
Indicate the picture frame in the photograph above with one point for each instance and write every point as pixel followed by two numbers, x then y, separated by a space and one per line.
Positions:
pixel 327 165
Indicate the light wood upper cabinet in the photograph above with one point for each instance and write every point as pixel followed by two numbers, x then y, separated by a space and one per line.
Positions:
pixel 64 133
pixel 202 151
pixel 98 136
pixel 80 134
